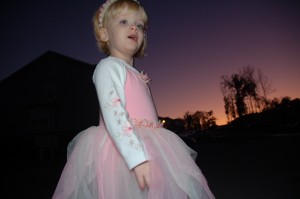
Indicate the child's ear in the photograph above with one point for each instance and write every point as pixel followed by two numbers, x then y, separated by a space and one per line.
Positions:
pixel 103 34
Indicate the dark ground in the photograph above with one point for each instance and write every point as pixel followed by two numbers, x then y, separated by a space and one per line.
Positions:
pixel 235 168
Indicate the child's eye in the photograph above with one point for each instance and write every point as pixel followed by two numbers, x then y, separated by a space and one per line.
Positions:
pixel 124 22
pixel 141 27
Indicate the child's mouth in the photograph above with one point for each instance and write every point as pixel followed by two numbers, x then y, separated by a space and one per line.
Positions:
pixel 133 37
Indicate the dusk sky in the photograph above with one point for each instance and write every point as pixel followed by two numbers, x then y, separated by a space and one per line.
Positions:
pixel 191 44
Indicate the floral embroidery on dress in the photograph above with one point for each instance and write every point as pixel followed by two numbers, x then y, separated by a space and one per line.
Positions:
pixel 119 122
pixel 146 123
pixel 134 145
pixel 145 77
pixel 116 101
pixel 115 113
pixel 127 130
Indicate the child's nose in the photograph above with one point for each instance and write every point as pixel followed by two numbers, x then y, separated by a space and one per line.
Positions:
pixel 133 27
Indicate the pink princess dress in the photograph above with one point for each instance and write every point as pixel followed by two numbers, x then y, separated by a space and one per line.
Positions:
pixel 101 158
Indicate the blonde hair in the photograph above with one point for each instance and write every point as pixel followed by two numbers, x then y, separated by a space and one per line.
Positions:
pixel 114 9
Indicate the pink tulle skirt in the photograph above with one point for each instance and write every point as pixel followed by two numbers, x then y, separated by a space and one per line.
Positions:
pixel 96 170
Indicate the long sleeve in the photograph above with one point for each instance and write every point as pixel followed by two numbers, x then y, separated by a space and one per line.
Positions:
pixel 109 79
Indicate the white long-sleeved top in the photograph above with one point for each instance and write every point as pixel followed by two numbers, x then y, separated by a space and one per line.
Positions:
pixel 110 78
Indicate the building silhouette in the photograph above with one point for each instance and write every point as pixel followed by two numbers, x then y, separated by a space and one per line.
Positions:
pixel 45 104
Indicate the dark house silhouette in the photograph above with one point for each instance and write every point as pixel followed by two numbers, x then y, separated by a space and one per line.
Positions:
pixel 44 104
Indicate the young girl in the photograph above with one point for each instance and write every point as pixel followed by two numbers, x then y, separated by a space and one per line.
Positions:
pixel 129 155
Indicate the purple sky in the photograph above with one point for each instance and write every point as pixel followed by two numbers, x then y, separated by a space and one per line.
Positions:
pixel 192 44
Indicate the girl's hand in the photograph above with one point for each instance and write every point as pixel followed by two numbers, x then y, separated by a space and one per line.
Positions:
pixel 142 174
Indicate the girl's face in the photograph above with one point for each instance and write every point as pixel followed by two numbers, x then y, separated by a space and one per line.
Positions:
pixel 125 33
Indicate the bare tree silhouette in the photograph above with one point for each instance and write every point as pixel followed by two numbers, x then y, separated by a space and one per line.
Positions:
pixel 245 93
pixel 265 87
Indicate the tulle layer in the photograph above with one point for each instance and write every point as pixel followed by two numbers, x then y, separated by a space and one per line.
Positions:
pixel 96 170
